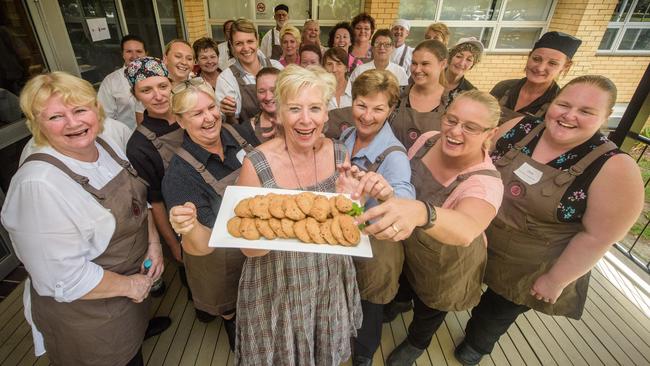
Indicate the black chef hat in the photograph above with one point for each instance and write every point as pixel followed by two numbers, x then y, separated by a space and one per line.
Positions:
pixel 281 7
pixel 565 43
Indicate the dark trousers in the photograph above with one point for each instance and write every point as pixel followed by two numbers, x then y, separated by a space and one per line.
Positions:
pixel 490 319
pixel 137 359
pixel 426 322
pixel 404 293
pixel 369 335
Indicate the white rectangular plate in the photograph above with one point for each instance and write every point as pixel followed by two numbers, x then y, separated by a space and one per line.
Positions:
pixel 220 237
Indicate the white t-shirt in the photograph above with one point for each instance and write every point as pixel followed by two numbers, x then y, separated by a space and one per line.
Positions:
pixel 266 47
pixel 227 84
pixel 115 96
pixel 399 72
pixel 397 56
pixel 346 99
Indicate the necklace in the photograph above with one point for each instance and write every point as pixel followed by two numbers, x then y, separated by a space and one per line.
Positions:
pixel 295 173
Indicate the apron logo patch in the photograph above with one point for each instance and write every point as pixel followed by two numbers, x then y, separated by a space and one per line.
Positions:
pixel 516 189
pixel 135 208
pixel 413 134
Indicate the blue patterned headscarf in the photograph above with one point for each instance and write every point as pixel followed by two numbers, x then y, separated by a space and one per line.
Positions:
pixel 144 67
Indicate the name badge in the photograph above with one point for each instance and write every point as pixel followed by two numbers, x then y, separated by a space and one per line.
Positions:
pixel 240 156
pixel 528 174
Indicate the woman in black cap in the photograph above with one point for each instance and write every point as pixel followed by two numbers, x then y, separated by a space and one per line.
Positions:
pixel 569 194
pixel 550 57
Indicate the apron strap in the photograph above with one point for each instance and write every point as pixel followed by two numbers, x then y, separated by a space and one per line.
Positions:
pixel 200 168
pixel 125 164
pixel 509 156
pixel 240 140
pixel 150 135
pixel 426 147
pixel 578 168
pixel 401 60
pixel 80 179
pixel 380 158
pixel 463 177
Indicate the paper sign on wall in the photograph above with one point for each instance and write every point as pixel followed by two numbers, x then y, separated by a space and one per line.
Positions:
pixel 98 29
pixel 260 7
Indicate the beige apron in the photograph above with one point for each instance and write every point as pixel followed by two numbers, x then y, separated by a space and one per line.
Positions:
pixel 103 331
pixel 526 238
pixel 165 144
pixel 214 278
pixel 276 50
pixel 508 114
pixel 444 277
pixel 378 277
pixel 249 105
pixel 408 124
pixel 258 130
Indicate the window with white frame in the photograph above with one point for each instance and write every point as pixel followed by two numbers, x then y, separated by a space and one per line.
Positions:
pixel 501 25
pixel 328 13
pixel 629 28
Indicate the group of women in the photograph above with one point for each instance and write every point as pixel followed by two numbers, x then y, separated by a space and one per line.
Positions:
pixel 455 196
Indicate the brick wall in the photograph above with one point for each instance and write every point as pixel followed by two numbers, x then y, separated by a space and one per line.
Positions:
pixel 384 11
pixel 195 19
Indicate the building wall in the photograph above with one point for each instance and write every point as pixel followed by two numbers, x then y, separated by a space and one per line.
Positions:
pixel 586 19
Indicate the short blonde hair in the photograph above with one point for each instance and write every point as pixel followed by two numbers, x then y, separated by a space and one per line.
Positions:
pixel 487 100
pixel 73 90
pixel 169 45
pixel 294 79
pixel 187 98
pixel 290 29
pixel 375 81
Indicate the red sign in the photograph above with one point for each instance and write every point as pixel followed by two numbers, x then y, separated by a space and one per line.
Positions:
pixel 260 7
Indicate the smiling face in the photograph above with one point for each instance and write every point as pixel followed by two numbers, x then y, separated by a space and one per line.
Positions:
pixel 266 93
pixel 310 33
pixel 362 32
pixel 399 33
pixel 456 142
pixel 154 93
pixel 461 63
pixel 203 122
pixel 289 45
pixel 342 38
pixel 576 114
pixel 544 65
pixel 179 61
pixel 382 48
pixel 425 67
pixel 132 50
pixel 281 17
pixel 208 60
pixel 303 117
pixel 335 67
pixel 370 113
pixel 70 130
pixel 244 47
pixel 308 58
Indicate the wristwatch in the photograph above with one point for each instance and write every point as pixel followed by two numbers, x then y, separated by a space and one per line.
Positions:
pixel 431 216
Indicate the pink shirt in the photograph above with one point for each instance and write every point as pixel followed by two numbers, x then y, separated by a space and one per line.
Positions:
pixel 484 187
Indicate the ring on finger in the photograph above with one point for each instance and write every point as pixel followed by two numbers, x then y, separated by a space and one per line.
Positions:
pixel 395 227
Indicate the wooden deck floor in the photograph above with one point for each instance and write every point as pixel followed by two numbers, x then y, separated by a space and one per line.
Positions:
pixel 615 330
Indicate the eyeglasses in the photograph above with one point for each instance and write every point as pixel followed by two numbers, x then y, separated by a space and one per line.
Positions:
pixel 383 45
pixel 186 83
pixel 469 128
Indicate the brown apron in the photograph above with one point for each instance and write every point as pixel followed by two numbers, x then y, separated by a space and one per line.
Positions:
pixel 165 144
pixel 338 120
pixel 103 331
pixel 526 238
pixel 408 124
pixel 258 129
pixel 378 277
pixel 444 277
pixel 508 114
pixel 214 278
pixel 276 50
pixel 249 105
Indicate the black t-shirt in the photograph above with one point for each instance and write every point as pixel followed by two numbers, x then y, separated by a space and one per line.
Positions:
pixel 145 158
pixel 513 87
pixel 464 85
pixel 182 183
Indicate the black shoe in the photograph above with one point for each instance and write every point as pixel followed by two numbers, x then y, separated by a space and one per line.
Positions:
pixel 231 332
pixel 361 361
pixel 159 291
pixel 394 308
pixel 404 355
pixel 203 316
pixel 467 355
pixel 157 325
